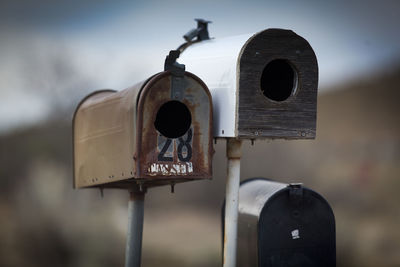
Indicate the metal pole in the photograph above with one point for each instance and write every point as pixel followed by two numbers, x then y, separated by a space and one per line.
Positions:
pixel 233 152
pixel 135 229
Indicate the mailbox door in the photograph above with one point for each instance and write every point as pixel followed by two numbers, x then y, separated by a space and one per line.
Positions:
pixel 278 80
pixel 174 130
pixel 296 231
pixel 283 225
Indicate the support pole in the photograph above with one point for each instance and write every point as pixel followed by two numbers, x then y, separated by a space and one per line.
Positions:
pixel 233 152
pixel 135 229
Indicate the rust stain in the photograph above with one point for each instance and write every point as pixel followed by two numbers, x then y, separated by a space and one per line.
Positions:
pixel 154 96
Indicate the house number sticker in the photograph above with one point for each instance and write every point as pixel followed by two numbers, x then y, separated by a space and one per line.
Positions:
pixel 174 156
pixel 181 146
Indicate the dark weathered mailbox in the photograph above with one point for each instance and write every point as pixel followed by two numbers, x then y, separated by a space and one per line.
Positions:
pixel 284 225
pixel 157 132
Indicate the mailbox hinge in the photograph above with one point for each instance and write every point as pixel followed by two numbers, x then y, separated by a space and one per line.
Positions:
pixel 178 74
pixel 178 70
pixel 200 33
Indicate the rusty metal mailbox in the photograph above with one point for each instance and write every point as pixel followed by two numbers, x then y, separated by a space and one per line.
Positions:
pixel 151 134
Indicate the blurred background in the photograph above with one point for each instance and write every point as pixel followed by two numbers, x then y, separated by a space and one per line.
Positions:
pixel 53 53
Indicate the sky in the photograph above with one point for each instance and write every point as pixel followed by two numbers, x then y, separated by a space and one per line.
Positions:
pixel 55 52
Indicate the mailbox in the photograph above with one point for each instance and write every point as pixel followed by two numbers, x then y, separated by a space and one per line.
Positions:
pixel 263 85
pixel 284 225
pixel 157 132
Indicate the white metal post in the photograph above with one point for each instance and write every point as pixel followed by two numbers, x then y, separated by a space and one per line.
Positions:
pixel 233 152
pixel 135 229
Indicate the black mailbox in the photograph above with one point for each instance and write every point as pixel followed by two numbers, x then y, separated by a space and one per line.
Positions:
pixel 284 225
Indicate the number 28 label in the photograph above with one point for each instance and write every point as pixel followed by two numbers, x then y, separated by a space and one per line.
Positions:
pixel 182 146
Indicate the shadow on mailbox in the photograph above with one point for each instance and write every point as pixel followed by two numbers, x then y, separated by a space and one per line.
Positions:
pixel 284 225
pixel 150 134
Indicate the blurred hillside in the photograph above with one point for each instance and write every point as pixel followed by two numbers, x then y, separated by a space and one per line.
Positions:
pixel 354 163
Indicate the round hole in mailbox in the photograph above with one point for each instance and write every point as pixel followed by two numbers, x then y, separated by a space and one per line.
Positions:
pixel 278 80
pixel 173 119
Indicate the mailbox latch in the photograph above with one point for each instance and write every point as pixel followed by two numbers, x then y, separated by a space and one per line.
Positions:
pixel 296 193
pixel 178 72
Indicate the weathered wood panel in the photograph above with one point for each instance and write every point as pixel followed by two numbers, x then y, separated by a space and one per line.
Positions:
pixel 259 116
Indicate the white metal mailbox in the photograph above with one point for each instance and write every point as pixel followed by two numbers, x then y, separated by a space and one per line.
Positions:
pixel 263 85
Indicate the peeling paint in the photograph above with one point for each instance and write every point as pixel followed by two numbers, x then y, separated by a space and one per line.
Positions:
pixel 168 169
